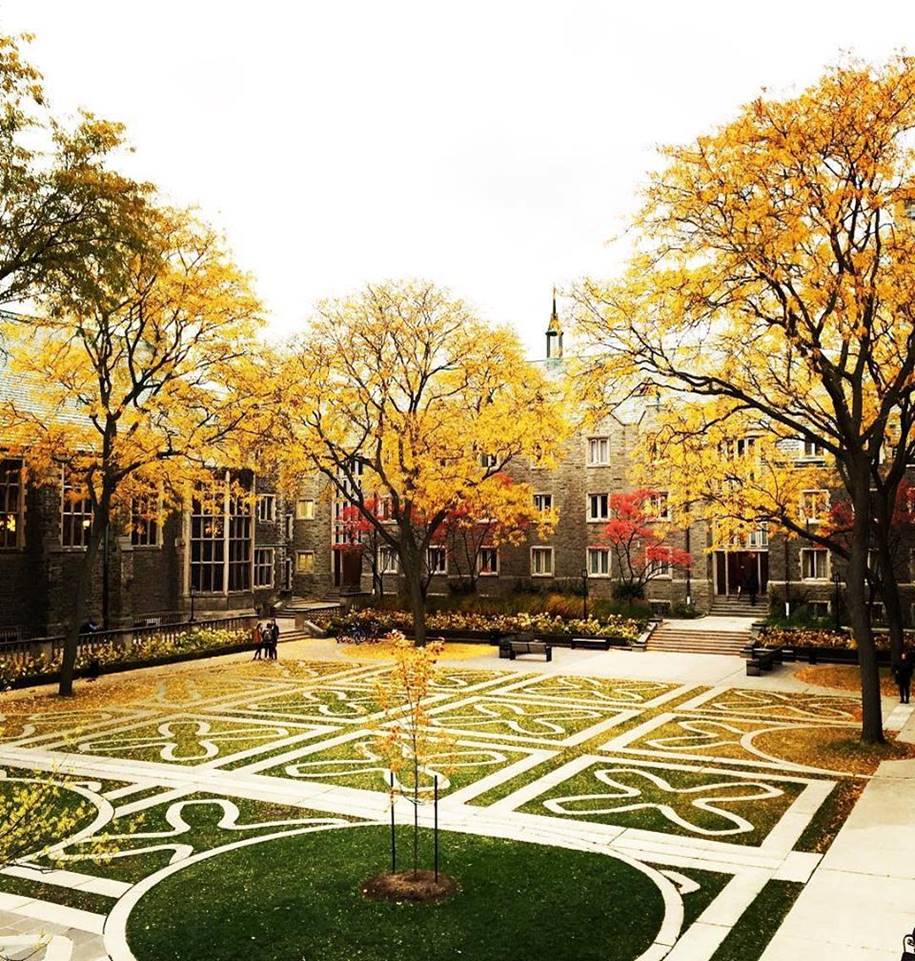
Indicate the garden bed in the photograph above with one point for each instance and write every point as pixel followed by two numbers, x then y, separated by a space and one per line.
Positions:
pixel 35 671
pixel 368 625
pixel 819 645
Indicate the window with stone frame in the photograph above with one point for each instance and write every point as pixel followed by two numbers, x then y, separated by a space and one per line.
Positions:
pixel 541 561
pixel 813 450
pixel 388 561
pixel 208 540
pixel 814 505
pixel 660 506
pixel 543 503
pixel 75 514
pixel 305 509
pixel 598 451
pixel 12 503
pixel 598 562
pixel 144 521
pixel 488 562
pixel 437 559
pixel 266 507
pixel 304 562
pixel 240 543
pixel 814 564
pixel 659 567
pixel 758 538
pixel 598 507
pixel 263 566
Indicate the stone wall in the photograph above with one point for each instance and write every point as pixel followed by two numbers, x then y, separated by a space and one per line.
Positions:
pixel 38 580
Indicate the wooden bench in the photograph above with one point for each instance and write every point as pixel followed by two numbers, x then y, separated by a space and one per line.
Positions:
pixel 762 659
pixel 511 647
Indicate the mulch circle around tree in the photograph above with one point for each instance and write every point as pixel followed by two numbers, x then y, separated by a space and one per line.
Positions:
pixel 417 886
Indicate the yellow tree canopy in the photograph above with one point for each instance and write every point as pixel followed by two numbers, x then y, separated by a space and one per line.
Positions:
pixel 400 392
pixel 134 389
pixel 738 476
pixel 65 205
pixel 775 272
pixel 776 264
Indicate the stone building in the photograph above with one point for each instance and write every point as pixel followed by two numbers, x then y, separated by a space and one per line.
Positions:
pixel 594 465
pixel 224 553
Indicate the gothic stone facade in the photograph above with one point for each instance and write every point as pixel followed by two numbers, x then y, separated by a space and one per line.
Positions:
pixel 236 557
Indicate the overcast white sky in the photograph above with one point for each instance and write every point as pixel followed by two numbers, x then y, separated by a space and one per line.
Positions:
pixel 493 147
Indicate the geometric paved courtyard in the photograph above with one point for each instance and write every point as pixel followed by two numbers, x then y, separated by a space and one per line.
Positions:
pixel 712 802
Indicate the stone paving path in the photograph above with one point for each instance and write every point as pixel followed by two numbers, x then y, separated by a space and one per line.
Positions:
pixel 860 901
pixel 526 719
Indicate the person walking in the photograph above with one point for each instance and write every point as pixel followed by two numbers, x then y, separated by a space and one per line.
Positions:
pixel 903 674
pixel 259 641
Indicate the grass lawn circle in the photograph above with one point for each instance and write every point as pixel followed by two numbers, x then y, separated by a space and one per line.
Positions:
pixel 298 897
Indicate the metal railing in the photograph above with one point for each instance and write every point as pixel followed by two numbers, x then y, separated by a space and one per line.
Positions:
pixel 50 648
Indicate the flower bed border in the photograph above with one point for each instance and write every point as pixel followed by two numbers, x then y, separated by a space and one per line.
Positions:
pixel 495 637
pixel 815 654
pixel 118 667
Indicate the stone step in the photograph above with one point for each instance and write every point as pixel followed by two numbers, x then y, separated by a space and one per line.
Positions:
pixel 697 640
pixel 697 646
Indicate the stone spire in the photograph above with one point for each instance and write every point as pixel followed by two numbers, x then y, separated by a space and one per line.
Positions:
pixel 554 334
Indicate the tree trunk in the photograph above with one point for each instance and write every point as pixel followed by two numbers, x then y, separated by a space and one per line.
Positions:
pixel 889 586
pixel 415 814
pixel 417 601
pixel 892 605
pixel 859 617
pixel 80 612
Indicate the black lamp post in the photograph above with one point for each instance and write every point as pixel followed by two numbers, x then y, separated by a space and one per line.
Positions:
pixel 584 584
pixel 836 581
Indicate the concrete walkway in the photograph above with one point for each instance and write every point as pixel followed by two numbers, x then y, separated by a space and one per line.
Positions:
pixel 860 901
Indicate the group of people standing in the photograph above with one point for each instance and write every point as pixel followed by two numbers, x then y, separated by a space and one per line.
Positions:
pixel 266 637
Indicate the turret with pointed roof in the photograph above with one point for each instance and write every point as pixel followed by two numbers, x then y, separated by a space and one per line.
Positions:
pixel 554 334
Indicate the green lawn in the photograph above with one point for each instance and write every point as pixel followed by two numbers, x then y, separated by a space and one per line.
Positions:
pixel 695 803
pixel 298 899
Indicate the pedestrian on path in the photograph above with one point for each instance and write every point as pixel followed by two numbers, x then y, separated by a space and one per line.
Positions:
pixel 273 637
pixel 259 641
pixel 752 586
pixel 903 674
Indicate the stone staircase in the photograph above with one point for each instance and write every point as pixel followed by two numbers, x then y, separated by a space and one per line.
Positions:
pixel 692 637
pixel 732 606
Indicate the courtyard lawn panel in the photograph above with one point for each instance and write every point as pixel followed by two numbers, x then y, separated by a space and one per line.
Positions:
pixel 299 898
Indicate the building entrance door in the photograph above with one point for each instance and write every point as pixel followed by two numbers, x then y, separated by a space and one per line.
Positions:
pixel 348 568
pixel 739 572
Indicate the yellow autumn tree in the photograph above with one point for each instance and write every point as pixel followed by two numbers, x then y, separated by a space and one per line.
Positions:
pixel 490 516
pixel 132 393
pixel 740 479
pixel 775 273
pixel 407 742
pixel 64 202
pixel 399 394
